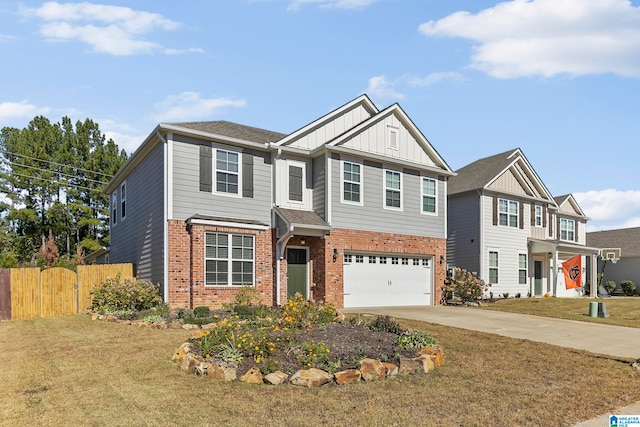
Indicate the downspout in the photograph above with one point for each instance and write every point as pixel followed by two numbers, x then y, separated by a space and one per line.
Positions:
pixel 165 180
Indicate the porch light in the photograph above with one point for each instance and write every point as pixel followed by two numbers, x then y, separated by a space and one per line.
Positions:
pixel 303 241
pixel 335 254
pixel 441 259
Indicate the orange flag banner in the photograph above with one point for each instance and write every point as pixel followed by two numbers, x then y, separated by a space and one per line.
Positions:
pixel 573 272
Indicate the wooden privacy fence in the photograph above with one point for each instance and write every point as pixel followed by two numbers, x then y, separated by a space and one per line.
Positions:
pixel 26 293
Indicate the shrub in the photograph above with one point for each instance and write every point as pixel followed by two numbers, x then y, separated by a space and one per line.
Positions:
pixel 610 286
pixel 628 287
pixel 312 354
pixel 417 339
pixel 299 312
pixel 201 311
pixel 248 295
pixel 505 295
pixel 464 285
pixel 385 324
pixel 518 295
pixel 115 294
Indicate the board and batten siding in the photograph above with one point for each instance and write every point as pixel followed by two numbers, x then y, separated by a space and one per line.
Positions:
pixel 318 168
pixel 372 216
pixel 463 226
pixel 188 200
pixel 509 242
pixel 329 130
pixel 375 139
pixel 139 238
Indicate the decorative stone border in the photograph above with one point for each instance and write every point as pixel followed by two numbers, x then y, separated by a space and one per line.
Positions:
pixel 426 360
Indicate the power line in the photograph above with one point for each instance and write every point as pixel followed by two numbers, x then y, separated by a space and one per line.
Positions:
pixel 55 163
pixel 62 184
pixel 53 172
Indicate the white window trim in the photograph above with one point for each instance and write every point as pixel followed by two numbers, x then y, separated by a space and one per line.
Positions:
pixel 342 181
pixel 489 267
pixel 214 178
pixel 384 190
pixel 526 267
pixel 567 221
pixel 422 195
pixel 229 261
pixel 302 165
pixel 517 214
pixel 123 200
pixel 541 216
pixel 392 130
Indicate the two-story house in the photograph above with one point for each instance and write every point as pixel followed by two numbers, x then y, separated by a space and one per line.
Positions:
pixel 505 226
pixel 351 209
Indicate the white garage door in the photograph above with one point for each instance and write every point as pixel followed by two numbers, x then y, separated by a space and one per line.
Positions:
pixel 383 280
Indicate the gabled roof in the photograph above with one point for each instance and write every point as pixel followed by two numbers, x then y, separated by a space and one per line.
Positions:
pixel 407 122
pixel 362 100
pixel 482 173
pixel 568 198
pixel 233 130
pixel 627 239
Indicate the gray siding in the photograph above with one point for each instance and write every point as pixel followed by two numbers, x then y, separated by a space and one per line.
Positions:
pixel 373 216
pixel 463 242
pixel 188 200
pixel 319 183
pixel 139 238
pixel 627 268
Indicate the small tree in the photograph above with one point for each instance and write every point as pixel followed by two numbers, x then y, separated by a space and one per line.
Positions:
pixel 49 251
pixel 464 285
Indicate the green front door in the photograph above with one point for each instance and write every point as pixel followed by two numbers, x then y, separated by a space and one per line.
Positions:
pixel 537 277
pixel 297 272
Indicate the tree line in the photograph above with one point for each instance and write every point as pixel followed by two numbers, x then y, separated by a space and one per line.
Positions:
pixel 51 181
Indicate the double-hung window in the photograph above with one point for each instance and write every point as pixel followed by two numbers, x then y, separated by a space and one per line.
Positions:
pixel 567 229
pixel 227 171
pixel 351 182
pixel 522 269
pixel 392 189
pixel 493 267
pixel 123 200
pixel 229 259
pixel 538 216
pixel 429 195
pixel 508 213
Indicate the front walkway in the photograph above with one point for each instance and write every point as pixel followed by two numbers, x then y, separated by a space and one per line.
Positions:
pixel 594 337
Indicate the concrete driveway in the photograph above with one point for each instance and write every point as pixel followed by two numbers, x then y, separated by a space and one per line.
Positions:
pixel 594 337
pixel 615 341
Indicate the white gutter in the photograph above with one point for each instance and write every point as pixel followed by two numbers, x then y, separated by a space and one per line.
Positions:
pixel 165 231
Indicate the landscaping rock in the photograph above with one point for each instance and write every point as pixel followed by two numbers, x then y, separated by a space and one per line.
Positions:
pixel 182 352
pixel 95 316
pixel 276 378
pixel 391 369
pixel 372 369
pixel 436 353
pixel 426 361
pixel 311 377
pixel 175 325
pixel 409 366
pixel 190 326
pixel 208 326
pixel 348 376
pixel 202 369
pixel 253 376
pixel 190 362
pixel 218 371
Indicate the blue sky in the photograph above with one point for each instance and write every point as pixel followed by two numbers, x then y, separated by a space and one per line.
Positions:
pixel 559 79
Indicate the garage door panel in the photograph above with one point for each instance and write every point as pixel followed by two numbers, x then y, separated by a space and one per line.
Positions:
pixel 398 282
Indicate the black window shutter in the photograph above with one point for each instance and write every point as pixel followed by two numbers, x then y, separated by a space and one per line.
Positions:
pixel 575 232
pixel 544 216
pixel 521 215
pixel 206 165
pixel 533 214
pixel 295 183
pixel 247 175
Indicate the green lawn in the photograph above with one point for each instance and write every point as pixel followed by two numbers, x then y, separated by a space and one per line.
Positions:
pixel 623 311
pixel 71 371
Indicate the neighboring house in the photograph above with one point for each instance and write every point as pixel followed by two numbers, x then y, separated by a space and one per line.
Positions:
pixel 100 256
pixel 505 226
pixel 628 266
pixel 350 209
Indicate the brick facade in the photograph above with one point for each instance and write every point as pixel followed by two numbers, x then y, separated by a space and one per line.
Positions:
pixel 186 266
pixel 186 263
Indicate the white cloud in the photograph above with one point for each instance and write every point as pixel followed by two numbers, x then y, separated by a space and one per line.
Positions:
pixel 381 89
pixel 434 78
pixel 127 142
pixel 332 4
pixel 188 106
pixel 548 37
pixel 20 110
pixel 610 209
pixel 115 30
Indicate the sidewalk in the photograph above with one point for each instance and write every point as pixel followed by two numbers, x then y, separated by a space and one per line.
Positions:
pixel 614 341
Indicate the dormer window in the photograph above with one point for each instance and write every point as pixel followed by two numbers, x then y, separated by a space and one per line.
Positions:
pixel 567 229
